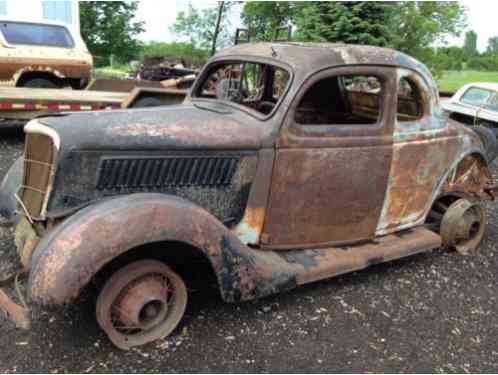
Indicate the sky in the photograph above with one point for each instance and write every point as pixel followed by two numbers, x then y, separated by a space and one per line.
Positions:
pixel 159 15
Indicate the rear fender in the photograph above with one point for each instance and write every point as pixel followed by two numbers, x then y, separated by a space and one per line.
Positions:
pixel 470 176
pixel 74 251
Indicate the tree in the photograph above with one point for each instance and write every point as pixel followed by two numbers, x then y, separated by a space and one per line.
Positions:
pixel 348 22
pixel 417 25
pixel 492 45
pixel 413 27
pixel 470 44
pixel 200 26
pixel 449 58
pixel 217 26
pixel 263 18
pixel 109 30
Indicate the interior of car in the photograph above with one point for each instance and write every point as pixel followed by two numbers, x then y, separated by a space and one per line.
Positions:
pixel 253 85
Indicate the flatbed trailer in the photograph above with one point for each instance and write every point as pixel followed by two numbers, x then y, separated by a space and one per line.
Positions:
pixel 27 103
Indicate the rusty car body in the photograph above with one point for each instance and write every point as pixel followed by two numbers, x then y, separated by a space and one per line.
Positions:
pixel 287 163
pixel 46 55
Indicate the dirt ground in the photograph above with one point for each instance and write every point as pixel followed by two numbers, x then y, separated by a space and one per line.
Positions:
pixel 434 312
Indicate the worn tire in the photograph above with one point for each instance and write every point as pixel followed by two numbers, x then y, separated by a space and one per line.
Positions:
pixel 147 101
pixel 40 83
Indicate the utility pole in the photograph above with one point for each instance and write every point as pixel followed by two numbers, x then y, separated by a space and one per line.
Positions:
pixel 217 28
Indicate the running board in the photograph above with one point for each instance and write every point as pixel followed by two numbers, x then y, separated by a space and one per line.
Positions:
pixel 313 265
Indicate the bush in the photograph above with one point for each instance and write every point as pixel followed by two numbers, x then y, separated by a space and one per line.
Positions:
pixel 186 51
pixel 487 62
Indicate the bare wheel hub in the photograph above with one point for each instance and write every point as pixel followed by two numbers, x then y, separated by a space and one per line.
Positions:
pixel 463 225
pixel 142 302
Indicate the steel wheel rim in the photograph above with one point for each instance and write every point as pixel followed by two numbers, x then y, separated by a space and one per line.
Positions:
pixel 160 324
pixel 463 226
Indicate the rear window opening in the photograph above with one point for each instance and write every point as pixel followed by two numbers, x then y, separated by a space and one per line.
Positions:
pixel 341 100
pixel 36 34
pixel 409 107
pixel 253 85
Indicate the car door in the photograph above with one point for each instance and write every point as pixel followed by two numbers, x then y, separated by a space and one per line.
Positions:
pixel 333 159
pixel 424 149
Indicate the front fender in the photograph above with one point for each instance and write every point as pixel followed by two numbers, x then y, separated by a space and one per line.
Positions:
pixel 73 252
pixel 8 188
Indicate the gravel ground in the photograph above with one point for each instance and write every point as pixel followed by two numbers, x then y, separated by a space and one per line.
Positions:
pixel 434 312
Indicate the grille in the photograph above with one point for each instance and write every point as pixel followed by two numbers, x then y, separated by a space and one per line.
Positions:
pixel 118 173
pixel 39 157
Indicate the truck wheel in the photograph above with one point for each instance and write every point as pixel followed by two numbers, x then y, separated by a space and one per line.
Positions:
pixel 40 83
pixel 147 101
pixel 463 225
pixel 142 302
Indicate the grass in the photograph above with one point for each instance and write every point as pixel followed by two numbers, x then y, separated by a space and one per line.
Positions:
pixel 115 72
pixel 452 80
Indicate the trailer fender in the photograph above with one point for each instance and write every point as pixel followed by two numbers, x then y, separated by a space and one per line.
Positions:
pixel 74 251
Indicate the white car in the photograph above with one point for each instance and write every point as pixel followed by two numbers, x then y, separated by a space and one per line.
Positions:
pixel 476 102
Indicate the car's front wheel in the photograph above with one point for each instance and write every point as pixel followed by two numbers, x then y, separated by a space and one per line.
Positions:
pixel 142 302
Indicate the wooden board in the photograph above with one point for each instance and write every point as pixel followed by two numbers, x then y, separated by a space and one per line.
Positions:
pixel 23 95
pixel 14 312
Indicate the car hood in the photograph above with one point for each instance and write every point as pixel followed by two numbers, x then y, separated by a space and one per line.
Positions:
pixel 186 126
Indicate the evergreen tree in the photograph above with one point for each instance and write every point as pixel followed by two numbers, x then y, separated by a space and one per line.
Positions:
pixel 347 22
pixel 470 44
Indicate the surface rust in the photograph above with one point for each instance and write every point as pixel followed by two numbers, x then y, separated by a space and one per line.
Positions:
pixel 73 252
pixel 306 183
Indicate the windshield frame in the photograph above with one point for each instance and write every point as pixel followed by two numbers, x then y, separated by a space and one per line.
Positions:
pixel 239 59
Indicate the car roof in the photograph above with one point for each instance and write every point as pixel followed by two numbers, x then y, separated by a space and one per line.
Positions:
pixel 321 55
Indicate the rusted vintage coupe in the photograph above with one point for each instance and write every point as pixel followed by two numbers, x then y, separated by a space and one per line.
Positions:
pixel 287 163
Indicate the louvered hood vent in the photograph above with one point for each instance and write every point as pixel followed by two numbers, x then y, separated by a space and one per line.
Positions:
pixel 126 173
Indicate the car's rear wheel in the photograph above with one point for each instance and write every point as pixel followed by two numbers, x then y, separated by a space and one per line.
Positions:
pixel 142 302
pixel 461 224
